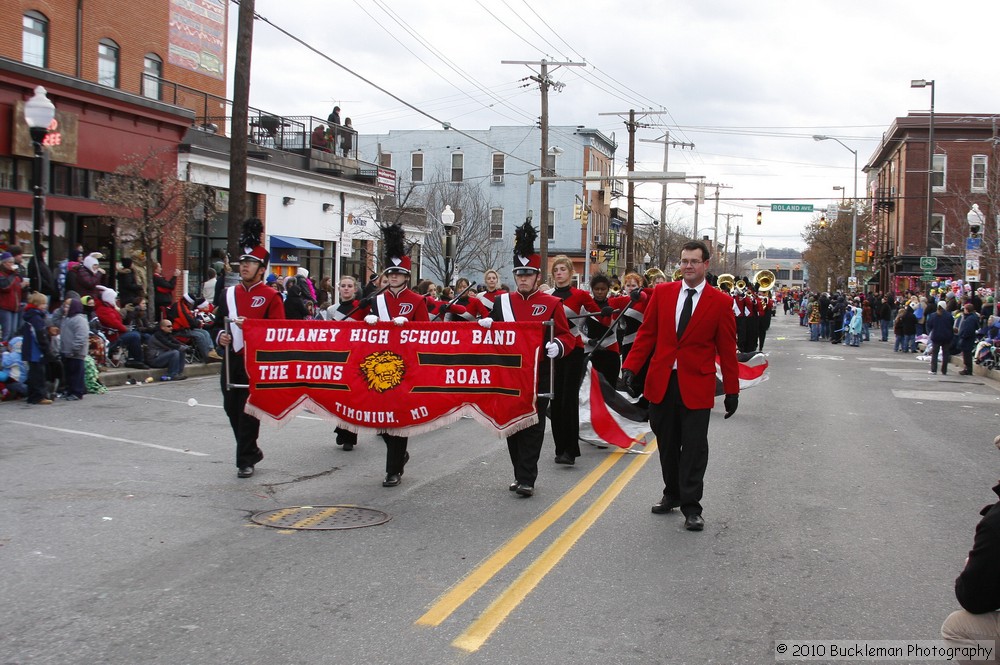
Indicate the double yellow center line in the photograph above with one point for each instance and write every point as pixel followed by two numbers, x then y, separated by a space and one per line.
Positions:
pixel 481 629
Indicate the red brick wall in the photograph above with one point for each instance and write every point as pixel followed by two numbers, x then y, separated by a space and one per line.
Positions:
pixel 138 26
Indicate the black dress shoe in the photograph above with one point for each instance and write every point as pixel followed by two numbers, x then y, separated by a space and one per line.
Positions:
pixel 513 486
pixel 565 459
pixel 694 523
pixel 524 490
pixel 244 472
pixel 392 479
pixel 348 446
pixel 665 505
pixel 965 373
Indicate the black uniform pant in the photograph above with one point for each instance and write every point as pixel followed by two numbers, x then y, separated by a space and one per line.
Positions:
pixel 565 411
pixel 346 436
pixel 526 446
pixel 761 336
pixel 246 428
pixel 682 441
pixel 395 453
pixel 608 364
pixel 750 339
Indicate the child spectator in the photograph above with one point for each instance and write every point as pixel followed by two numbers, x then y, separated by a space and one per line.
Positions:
pixel 74 338
pixel 35 348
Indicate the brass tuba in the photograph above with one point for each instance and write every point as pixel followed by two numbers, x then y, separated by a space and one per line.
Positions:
pixel 765 278
pixel 652 274
pixel 726 280
pixel 678 274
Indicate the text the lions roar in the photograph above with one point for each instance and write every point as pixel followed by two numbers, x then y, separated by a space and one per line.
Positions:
pixel 435 337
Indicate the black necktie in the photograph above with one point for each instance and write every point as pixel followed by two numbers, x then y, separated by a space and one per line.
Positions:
pixel 686 312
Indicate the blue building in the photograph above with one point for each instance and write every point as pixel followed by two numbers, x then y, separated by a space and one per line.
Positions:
pixel 500 162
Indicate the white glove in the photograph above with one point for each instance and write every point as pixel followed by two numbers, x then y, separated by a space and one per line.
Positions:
pixel 486 323
pixel 400 320
pixel 371 319
pixel 551 349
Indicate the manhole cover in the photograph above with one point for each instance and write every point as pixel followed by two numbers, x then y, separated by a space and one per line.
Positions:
pixel 321 518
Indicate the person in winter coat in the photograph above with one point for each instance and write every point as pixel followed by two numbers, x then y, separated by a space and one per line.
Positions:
pixel 908 326
pixel 35 348
pixel 967 336
pixel 940 330
pixel 85 277
pixel 162 350
pixel 41 276
pixel 129 286
pixel 74 338
pixel 295 300
pixel 164 289
pixel 10 296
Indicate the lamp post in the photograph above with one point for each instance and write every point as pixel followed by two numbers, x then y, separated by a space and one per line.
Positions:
pixel 38 113
pixel 842 190
pixel 448 222
pixel 922 83
pixel 854 202
pixel 645 262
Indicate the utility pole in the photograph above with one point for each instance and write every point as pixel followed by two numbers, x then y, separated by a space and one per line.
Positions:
pixel 662 231
pixel 544 82
pixel 725 252
pixel 631 125
pixel 238 131
pixel 717 186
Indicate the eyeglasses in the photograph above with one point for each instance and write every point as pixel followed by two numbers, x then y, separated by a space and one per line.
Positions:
pixel 691 262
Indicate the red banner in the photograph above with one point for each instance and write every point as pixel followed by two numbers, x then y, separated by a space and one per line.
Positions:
pixel 403 380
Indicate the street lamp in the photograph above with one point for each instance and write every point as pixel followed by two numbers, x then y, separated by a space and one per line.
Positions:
pixel 842 190
pixel 645 261
pixel 854 202
pixel 922 83
pixel 38 113
pixel 448 222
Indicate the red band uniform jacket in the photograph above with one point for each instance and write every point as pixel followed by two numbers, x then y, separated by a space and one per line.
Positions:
pixel 712 327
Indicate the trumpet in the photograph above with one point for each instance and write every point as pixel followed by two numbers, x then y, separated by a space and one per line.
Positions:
pixel 740 285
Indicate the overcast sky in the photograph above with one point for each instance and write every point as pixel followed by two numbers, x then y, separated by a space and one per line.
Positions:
pixel 748 83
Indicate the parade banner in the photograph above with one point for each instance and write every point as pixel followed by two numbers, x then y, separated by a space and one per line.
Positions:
pixel 403 380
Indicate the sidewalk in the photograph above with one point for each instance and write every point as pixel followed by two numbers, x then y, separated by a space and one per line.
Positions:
pixel 112 377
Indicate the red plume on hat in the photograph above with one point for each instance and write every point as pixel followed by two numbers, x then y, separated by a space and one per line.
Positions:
pixel 525 259
pixel 253 228
pixel 394 242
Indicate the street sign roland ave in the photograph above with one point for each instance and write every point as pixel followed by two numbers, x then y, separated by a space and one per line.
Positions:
pixel 928 263
pixel 791 207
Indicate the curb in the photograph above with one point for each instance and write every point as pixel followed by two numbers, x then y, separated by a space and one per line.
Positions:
pixel 118 376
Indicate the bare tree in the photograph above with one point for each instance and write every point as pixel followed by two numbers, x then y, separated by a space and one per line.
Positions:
pixel 150 205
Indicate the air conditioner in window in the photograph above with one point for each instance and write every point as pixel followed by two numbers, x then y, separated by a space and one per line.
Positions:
pixel 498 179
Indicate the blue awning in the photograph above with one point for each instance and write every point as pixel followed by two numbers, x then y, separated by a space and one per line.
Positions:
pixel 288 242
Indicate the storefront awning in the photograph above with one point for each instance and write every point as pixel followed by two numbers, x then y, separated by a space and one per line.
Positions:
pixel 288 242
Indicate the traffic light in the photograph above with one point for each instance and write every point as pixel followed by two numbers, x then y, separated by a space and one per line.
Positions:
pixel 760 217
pixel 584 215
pixel 822 222
pixel 871 256
pixel 577 211
pixel 593 255
pixel 860 256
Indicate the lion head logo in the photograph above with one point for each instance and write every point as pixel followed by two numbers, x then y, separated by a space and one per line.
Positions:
pixel 383 370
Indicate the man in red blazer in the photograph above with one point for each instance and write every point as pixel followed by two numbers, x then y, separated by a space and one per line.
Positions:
pixel 687 325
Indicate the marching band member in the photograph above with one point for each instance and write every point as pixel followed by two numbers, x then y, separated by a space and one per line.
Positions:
pixel 565 412
pixel 530 304
pixel 250 299
pixel 348 309
pixel 765 308
pixel 397 304
pixel 631 318
pixel 607 359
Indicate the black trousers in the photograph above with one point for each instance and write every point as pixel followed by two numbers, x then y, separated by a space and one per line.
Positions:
pixel 346 436
pixel 36 382
pixel 608 364
pixel 682 441
pixel 395 453
pixel 246 428
pixel 526 446
pixel 565 407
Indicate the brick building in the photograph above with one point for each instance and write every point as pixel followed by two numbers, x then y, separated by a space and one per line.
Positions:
pixel 964 147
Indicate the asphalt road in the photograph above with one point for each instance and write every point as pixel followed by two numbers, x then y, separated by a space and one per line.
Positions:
pixel 840 504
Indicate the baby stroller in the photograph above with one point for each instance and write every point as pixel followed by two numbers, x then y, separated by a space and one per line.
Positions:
pixel 986 354
pixel 100 347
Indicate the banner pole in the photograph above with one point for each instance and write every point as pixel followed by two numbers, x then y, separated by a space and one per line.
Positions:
pixel 226 360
